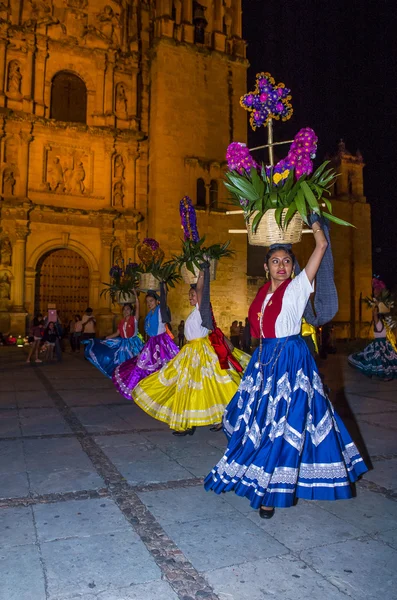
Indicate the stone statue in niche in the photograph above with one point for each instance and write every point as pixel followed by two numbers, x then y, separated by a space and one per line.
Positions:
pixel 117 256
pixel 118 194
pixel 121 100
pixel 14 77
pixel 11 151
pixel 5 287
pixel 8 182
pixel 4 9
pixel 6 252
pixel 119 168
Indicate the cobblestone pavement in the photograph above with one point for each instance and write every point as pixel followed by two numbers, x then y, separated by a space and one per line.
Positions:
pixel 100 502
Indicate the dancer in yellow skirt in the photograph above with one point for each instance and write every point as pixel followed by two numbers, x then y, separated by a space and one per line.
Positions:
pixel 192 389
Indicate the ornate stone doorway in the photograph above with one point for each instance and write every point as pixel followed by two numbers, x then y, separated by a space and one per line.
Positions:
pixel 62 279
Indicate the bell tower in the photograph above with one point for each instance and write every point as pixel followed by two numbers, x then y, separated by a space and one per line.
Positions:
pixel 197 75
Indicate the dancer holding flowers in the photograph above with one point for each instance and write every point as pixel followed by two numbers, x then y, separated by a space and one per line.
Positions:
pixel 158 350
pixel 192 389
pixel 379 358
pixel 118 347
pixel 285 440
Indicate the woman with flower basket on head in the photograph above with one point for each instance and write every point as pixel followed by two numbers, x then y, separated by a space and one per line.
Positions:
pixel 285 440
pixel 123 344
pixel 192 389
pixel 158 350
pixel 379 358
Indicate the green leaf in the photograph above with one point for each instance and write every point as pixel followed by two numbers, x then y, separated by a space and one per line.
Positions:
pixel 257 182
pixel 290 213
pixel 310 197
pixel 301 204
pixel 277 215
pixel 255 222
pixel 327 204
pixel 337 220
pixel 320 169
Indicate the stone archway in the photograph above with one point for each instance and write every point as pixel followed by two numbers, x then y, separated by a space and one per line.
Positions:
pixel 62 278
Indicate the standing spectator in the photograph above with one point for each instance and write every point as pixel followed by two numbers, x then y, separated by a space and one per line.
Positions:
pixel 58 342
pixel 181 333
pixel 88 323
pixel 241 331
pixel 50 337
pixel 75 326
pixel 235 334
pixel 36 331
pixel 247 336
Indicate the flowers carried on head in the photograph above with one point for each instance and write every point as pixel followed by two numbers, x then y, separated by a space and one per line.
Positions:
pixel 124 279
pixel 290 184
pixel 267 101
pixel 194 253
pixel 290 188
pixel 381 297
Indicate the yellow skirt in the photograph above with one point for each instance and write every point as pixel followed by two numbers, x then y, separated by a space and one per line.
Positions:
pixel 242 357
pixel 190 390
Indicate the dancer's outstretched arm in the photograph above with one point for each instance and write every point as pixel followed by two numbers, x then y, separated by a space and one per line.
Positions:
pixel 314 261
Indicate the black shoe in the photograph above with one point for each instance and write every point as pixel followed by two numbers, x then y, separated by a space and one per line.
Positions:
pixel 189 431
pixel 217 427
pixel 266 514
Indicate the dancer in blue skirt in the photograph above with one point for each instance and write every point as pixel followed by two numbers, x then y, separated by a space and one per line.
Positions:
pixel 285 439
pixel 118 347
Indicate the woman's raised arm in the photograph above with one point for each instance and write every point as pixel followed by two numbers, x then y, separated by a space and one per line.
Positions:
pixel 314 261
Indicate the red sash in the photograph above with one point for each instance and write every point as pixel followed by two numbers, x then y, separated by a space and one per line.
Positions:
pixel 222 350
pixel 272 310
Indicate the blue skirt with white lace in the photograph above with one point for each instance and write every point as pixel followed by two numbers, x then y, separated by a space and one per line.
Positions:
pixel 285 439
pixel 106 355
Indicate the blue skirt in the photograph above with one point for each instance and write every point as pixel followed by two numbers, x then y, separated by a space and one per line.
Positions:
pixel 285 439
pixel 106 355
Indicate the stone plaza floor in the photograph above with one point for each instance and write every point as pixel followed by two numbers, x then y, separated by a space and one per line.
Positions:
pixel 100 502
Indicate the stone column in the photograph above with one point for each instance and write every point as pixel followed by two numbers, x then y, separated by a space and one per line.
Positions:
pixel 100 82
pixel 30 283
pixel 131 240
pixel 26 138
pixel 107 239
pixel 28 74
pixel 109 84
pixel 187 11
pixel 18 259
pixel 41 57
pixel 3 44
pixel 237 19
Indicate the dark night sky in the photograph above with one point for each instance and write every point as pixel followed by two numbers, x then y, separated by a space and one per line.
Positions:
pixel 339 61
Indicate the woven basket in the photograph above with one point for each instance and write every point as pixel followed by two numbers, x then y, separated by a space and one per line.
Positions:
pixel 189 278
pixel 125 298
pixel 148 282
pixel 268 232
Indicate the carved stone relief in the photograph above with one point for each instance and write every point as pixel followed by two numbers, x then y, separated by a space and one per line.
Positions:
pixel 118 179
pixel 14 79
pixel 38 13
pixel 121 106
pixel 9 182
pixel 106 27
pixel 5 287
pixel 117 255
pixel 6 252
pixel 68 171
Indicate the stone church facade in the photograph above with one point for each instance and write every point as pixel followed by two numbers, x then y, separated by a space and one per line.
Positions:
pixel 110 112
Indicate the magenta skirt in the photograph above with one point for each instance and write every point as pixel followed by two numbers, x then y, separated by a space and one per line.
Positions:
pixel 157 351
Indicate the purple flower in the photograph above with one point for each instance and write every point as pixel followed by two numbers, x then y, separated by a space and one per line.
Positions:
pixel 188 219
pixel 151 243
pixel 115 271
pixel 267 101
pixel 130 268
pixel 239 158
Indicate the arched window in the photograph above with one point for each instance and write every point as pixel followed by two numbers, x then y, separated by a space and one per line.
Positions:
pixel 213 193
pixel 68 98
pixel 201 193
pixel 199 22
